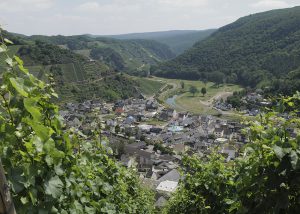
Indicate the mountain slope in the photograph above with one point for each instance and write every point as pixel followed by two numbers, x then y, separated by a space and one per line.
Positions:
pixel 131 56
pixel 253 49
pixel 76 76
pixel 177 40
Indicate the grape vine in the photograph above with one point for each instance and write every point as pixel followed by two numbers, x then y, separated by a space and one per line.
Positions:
pixel 52 169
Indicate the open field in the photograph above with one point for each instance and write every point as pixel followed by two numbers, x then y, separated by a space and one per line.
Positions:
pixel 171 94
pixel 148 86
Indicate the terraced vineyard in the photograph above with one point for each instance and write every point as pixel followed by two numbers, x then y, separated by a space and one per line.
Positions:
pixel 148 86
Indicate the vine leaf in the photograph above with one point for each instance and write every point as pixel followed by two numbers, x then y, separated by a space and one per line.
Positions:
pixel 30 105
pixel 278 151
pixel 54 187
pixel 8 41
pixel 18 84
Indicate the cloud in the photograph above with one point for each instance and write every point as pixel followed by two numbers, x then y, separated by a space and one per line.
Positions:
pixel 89 6
pixel 270 4
pixel 112 7
pixel 129 5
pixel 182 3
pixel 25 5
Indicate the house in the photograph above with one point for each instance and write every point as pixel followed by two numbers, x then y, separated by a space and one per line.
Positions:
pixel 179 148
pixel 227 134
pixel 105 111
pixel 156 130
pixel 129 120
pixel 163 116
pixel 172 175
pixel 128 161
pixel 161 201
pixel 254 112
pixel 111 123
pixel 150 114
pixel 119 110
pixel 75 122
pixel 218 132
pixel 130 130
pixel 187 122
pixel 145 127
pixel 169 182
pixel 151 105
pixel 132 148
pixel 229 151
pixel 144 158
pixel 167 187
pixel 201 146
pixel 221 140
pixel 119 104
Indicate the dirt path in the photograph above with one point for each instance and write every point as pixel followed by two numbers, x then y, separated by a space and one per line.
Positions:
pixel 221 95
pixel 164 92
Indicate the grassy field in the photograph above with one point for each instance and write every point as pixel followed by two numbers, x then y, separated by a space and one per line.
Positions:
pixel 184 100
pixel 197 103
pixel 148 86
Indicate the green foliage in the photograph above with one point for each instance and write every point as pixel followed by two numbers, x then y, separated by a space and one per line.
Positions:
pixel 148 86
pixel 206 188
pixel 203 91
pixel 236 99
pixel 109 56
pixel 76 76
pixel 161 50
pixel 163 149
pixel 132 56
pixel 177 40
pixel 286 86
pixel 263 179
pixel 182 84
pixel 193 90
pixel 256 48
pixel 46 54
pixel 117 129
pixel 52 169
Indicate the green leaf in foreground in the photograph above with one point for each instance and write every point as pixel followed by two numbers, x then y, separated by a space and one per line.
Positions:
pixel 54 187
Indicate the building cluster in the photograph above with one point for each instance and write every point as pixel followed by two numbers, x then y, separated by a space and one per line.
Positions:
pixel 152 139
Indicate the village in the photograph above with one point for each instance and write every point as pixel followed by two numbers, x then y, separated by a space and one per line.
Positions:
pixel 150 138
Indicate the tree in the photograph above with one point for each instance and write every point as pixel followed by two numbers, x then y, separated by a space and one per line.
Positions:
pixel 182 84
pixel 193 90
pixel 217 77
pixel 203 91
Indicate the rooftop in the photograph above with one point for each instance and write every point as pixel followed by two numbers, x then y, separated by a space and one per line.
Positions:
pixel 167 186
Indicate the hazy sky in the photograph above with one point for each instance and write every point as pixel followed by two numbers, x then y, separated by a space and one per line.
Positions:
pixel 70 17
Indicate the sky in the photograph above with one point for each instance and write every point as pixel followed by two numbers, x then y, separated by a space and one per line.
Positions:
pixel 107 17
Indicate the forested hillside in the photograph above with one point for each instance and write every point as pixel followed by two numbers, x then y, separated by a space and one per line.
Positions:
pixel 76 76
pixel 131 56
pixel 177 40
pixel 259 49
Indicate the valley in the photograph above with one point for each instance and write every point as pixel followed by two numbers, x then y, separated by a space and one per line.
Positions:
pixel 171 121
